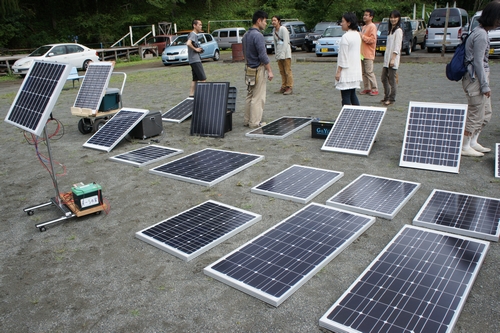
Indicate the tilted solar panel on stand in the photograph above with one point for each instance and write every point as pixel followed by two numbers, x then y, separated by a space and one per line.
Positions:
pixel 115 129
pixel 210 109
pixel 354 130
pixel 373 195
pixel 180 112
pixel 418 284
pixel 497 160
pixel 273 265
pixel 94 86
pixel 192 232
pixel 462 214
pixel 433 136
pixel 37 96
pixel 146 155
pixel 207 167
pixel 298 183
pixel 280 128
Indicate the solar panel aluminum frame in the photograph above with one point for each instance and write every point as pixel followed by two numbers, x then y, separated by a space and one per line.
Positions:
pixel 142 112
pixel 338 327
pixel 166 117
pixel 276 301
pixel 253 133
pixel 367 211
pixel 497 160
pixel 338 123
pixel 118 158
pixel 189 256
pixel 298 199
pixel 461 130
pixel 90 81
pixel 25 93
pixel 418 221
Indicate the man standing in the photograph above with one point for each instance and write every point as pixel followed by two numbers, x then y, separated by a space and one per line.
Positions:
pixel 194 57
pixel 257 61
pixel 368 43
pixel 283 54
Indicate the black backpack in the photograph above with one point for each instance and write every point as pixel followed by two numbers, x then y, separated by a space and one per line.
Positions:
pixel 457 67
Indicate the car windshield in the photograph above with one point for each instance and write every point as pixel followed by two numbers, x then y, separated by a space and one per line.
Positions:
pixel 40 51
pixel 334 32
pixel 383 29
pixel 268 31
pixel 322 26
pixel 181 40
pixel 439 21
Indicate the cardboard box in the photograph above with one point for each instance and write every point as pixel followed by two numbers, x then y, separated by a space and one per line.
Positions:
pixel 321 129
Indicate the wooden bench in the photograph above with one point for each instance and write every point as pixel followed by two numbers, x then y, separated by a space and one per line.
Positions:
pixel 73 76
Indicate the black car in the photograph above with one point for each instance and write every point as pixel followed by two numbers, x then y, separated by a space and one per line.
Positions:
pixel 312 37
pixel 383 30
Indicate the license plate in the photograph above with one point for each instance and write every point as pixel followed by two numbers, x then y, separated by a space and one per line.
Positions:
pixel 15 70
pixel 268 46
pixel 324 50
pixel 492 51
pixel 170 57
pixel 381 48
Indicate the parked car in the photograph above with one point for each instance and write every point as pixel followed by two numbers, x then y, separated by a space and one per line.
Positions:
pixel 312 37
pixel 383 30
pixel 76 55
pixel 329 42
pixel 419 29
pixel 177 52
pixel 493 35
pixel 227 36
pixel 458 22
pixel 297 30
pixel 160 41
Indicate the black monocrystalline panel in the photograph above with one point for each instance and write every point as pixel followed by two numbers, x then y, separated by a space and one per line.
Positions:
pixel 417 284
pixel 37 96
pixel 298 183
pixel 210 109
pixel 461 213
pixel 231 99
pixel 355 130
pixel 115 129
pixel 373 195
pixel 433 137
pixel 189 234
pixel 280 128
pixel 146 155
pixel 180 112
pixel 94 85
pixel 207 167
pixel 276 263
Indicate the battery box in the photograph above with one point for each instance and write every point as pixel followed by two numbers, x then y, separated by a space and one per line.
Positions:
pixel 86 196
pixel 151 125
pixel 321 129
pixel 110 101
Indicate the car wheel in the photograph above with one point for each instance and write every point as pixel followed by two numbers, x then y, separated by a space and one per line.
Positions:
pixel 430 49
pixel 408 49
pixel 414 44
pixel 318 55
pixel 86 64
pixel 216 55
pixel 306 48
pixel 422 45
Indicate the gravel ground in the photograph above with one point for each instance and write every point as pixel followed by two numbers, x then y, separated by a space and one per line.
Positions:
pixel 91 274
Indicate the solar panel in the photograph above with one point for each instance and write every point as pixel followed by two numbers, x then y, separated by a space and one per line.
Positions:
pixel 354 130
pixel 197 230
pixel 37 96
pixel 280 128
pixel 433 137
pixel 462 214
pixel 115 129
pixel 94 84
pixel 373 195
pixel 418 283
pixel 180 112
pixel 298 183
pixel 209 109
pixel 273 265
pixel 497 160
pixel 207 167
pixel 146 155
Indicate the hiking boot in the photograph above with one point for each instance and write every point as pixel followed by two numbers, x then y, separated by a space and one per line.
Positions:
pixel 288 91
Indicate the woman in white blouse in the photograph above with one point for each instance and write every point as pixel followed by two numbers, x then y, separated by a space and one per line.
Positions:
pixel 349 76
pixel 391 58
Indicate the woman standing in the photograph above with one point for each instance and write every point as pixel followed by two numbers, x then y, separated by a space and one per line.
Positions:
pixel 349 76
pixel 283 54
pixel 476 81
pixel 391 58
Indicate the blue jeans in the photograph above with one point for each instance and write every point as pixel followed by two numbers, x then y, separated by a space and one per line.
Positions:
pixel 349 97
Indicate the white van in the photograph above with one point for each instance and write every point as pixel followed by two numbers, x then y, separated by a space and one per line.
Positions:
pixel 227 36
pixel 458 23
pixel 493 35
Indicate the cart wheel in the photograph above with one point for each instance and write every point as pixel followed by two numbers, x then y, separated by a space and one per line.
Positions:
pixel 83 127
pixel 98 123
pixel 30 212
pixel 42 229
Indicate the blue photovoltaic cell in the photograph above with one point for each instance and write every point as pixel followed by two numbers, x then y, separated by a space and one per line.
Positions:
pixel 461 213
pixel 417 284
pixel 180 112
pixel 298 183
pixel 354 130
pixel 373 195
pixel 37 96
pixel 280 128
pixel 207 167
pixel 276 263
pixel 94 85
pixel 146 155
pixel 190 233
pixel 433 137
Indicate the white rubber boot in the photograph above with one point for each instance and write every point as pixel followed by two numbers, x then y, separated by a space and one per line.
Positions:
pixel 476 146
pixel 467 150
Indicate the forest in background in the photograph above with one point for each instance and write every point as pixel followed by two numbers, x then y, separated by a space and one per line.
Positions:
pixel 96 23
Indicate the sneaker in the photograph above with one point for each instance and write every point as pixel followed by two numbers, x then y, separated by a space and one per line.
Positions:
pixel 388 102
pixel 364 92
pixel 373 92
pixel 259 125
pixel 281 91
pixel 288 91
